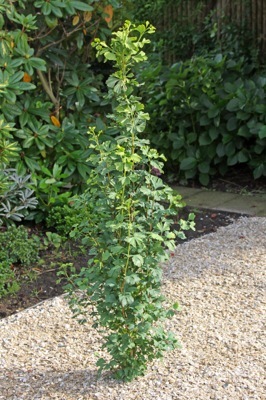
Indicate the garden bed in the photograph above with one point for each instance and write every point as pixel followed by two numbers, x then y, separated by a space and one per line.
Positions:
pixel 43 284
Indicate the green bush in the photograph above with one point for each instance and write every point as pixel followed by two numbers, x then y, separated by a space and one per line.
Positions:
pixel 19 250
pixel 50 93
pixel 63 219
pixel 16 197
pixel 207 114
pixel 128 222
pixel 8 282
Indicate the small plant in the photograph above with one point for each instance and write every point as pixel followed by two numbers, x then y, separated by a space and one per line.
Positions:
pixel 18 251
pixel 128 224
pixel 52 239
pixel 16 197
pixel 62 219
pixel 8 282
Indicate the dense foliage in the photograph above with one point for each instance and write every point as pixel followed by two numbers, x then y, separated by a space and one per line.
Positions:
pixel 126 222
pixel 208 108
pixel 50 92
pixel 17 250
pixel 208 114
pixel 188 27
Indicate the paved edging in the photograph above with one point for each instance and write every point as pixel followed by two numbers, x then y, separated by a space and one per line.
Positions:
pixel 253 205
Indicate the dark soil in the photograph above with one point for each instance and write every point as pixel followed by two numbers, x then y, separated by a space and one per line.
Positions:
pixel 238 180
pixel 44 284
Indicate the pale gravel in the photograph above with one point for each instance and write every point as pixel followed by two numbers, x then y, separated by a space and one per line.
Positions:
pixel 219 280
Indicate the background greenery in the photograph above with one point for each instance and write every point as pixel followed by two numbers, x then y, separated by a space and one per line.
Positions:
pixel 51 91
pixel 208 108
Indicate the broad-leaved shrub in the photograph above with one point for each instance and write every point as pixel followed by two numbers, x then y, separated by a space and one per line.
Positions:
pixel 207 114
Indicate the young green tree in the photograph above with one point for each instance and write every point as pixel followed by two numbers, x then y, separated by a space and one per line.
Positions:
pixel 127 219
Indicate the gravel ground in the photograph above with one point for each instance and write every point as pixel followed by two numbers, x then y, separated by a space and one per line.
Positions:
pixel 218 279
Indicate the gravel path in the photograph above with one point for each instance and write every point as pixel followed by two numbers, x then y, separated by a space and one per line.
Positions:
pixel 218 279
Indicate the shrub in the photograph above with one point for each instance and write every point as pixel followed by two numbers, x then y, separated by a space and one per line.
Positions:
pixel 16 197
pixel 18 250
pixel 128 222
pixel 8 282
pixel 49 91
pixel 63 219
pixel 207 114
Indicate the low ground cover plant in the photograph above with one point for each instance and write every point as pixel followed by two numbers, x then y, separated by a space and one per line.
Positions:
pixel 18 254
pixel 127 216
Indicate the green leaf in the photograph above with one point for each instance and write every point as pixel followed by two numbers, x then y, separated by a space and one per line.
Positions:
pixel 32 164
pixel 156 236
pixel 100 125
pixel 110 56
pixel 233 105
pixel 230 149
pixel 69 8
pixel 262 132
pixel 46 8
pixel 204 167
pixel 260 108
pixel 259 171
pixel 57 12
pixel 204 139
pixel 243 156
pixel 27 143
pixel 79 5
pixel 232 160
pixel 220 150
pixel 23 86
pixel 191 137
pixel 242 115
pixel 231 124
pixel 188 163
pixel 244 131
pixel 137 260
pixel 132 279
pixel 51 21
pixel 10 96
pixel 176 306
pixel 116 249
pixel 213 112
pixel 106 254
pixel 16 77
pixel 229 87
pixel 204 120
pixel 23 119
pixel 213 133
pixel 38 63
pixel 204 179
pixel 84 170
pixel 50 181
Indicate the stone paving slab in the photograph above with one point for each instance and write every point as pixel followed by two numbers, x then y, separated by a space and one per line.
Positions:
pixel 254 205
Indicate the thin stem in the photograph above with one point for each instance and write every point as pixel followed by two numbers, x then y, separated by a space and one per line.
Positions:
pixel 48 89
